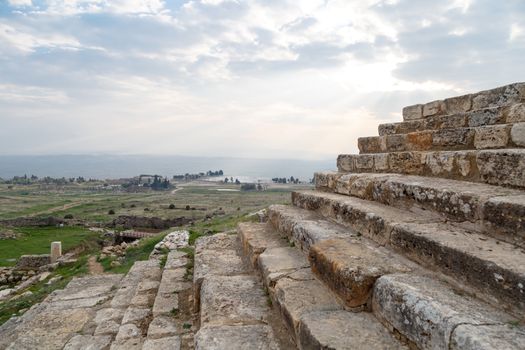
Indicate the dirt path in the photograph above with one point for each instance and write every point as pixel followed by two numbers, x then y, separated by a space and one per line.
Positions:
pixel 60 208
pixel 95 268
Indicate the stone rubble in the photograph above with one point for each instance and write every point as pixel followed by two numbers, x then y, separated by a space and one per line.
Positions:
pixel 173 240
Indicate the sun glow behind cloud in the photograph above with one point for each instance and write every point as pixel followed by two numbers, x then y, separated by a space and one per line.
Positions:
pixel 298 79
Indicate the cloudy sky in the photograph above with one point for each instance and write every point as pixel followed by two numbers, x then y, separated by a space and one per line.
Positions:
pixel 261 78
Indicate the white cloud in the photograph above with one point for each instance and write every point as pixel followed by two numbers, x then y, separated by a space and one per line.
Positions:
pixel 19 3
pixel 516 32
pixel 237 77
pixel 26 42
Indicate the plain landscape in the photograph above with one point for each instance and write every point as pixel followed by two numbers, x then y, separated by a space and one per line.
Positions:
pixel 83 216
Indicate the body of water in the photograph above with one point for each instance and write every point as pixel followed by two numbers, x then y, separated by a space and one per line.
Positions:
pixel 114 167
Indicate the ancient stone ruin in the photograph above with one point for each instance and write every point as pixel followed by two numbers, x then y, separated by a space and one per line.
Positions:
pixel 418 242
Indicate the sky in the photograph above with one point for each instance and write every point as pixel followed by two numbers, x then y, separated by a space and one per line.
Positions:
pixel 298 79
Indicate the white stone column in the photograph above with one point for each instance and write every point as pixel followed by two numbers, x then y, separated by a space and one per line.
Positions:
pixel 56 251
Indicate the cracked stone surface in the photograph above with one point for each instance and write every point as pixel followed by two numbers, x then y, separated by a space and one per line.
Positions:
pixel 64 313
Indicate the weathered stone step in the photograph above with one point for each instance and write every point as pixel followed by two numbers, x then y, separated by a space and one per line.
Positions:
pixel 496 211
pixel 482 137
pixel 233 307
pixel 495 269
pixel 312 314
pixel 65 319
pixel 502 96
pixel 498 167
pixel 487 116
pixel 432 315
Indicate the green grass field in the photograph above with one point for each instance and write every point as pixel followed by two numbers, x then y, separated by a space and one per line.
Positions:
pixel 37 240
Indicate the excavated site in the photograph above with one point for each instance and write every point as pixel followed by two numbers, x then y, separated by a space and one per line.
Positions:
pixel 418 242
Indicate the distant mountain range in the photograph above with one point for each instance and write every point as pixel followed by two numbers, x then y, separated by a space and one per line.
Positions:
pixel 124 166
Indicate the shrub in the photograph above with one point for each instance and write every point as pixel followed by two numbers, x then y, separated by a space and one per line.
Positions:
pixel 68 216
pixel 111 212
pixel 172 206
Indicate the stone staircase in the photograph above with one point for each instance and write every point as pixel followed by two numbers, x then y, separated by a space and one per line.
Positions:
pixel 418 242
pixel 149 308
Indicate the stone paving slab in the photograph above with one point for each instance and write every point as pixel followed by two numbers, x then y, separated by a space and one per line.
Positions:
pixel 351 269
pixel 88 342
pixel 61 315
pixel 255 238
pixel 428 312
pixel 256 337
pixel 276 263
pixel 232 300
pixel 344 330
pixel 306 228
pixel 298 298
pixel 169 343
pixel 162 326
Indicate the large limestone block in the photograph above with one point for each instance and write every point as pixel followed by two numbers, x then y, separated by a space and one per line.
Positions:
pixel 162 326
pixel 298 298
pixel 492 137
pixel 453 138
pixel 501 96
pixel 107 327
pixel 344 330
pixel 165 303
pixel 516 113
pixel 326 179
pixel 517 134
pixel 413 112
pixel 216 256
pixel 346 162
pixel 50 329
pixel 369 144
pixel 491 266
pixel 406 162
pixel 502 167
pixel 127 344
pixel 256 238
pixel 505 215
pixel 306 232
pixel 176 260
pixel 367 218
pixel 418 141
pixel 486 116
pixel 228 300
pixel 87 287
pixel 284 218
pixel 364 162
pixel 169 343
pixel 88 342
pixel 128 331
pixel 137 316
pixel 393 143
pixel 428 312
pixel 433 108
pixel 487 337
pixel 381 162
pixel 257 337
pixel 351 269
pixel 458 104
pixel 276 263
pixel 109 314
